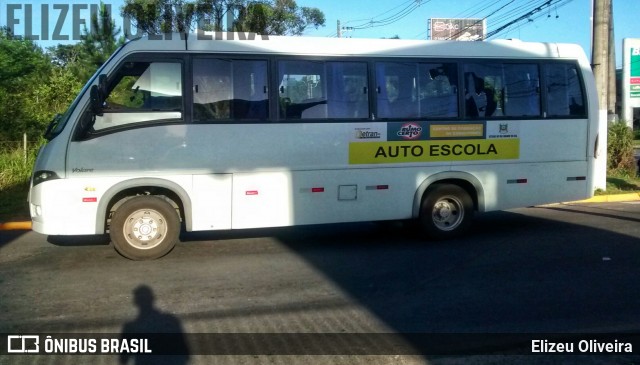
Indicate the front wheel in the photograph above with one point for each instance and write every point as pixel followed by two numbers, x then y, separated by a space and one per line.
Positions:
pixel 144 228
pixel 446 211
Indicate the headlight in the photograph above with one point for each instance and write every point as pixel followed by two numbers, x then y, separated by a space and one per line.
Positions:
pixel 42 176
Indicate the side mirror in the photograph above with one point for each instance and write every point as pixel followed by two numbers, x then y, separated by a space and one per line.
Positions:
pixel 52 125
pixel 102 85
pixel 96 100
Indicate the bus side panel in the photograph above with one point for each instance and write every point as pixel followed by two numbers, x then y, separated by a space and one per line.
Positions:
pixel 262 200
pixel 286 198
pixel 552 140
pixel 211 202
pixel 508 186
pixel 552 164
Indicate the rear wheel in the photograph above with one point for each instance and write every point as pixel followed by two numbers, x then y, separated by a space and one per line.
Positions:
pixel 446 211
pixel 145 228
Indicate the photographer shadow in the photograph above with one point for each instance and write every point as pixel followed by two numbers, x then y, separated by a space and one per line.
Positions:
pixel 164 331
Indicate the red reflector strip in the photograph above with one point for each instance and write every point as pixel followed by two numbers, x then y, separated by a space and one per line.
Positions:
pixel 577 178
pixel 251 192
pixel 89 200
pixel 317 190
pixel 377 187
pixel 517 181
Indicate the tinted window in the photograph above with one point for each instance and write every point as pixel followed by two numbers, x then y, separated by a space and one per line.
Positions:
pixel 396 89
pixel 321 90
pixel 501 90
pixel 438 90
pixel 564 93
pixel 229 89
pixel 416 90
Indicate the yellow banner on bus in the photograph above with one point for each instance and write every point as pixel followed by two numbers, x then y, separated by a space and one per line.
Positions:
pixel 434 151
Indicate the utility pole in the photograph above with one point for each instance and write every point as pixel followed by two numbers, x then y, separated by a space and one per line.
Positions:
pixel 600 49
pixel 600 65
pixel 611 89
pixel 339 30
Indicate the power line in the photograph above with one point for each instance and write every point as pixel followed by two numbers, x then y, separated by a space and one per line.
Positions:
pixel 389 20
pixel 529 16
pixel 467 13
pixel 473 13
pixel 495 12
pixel 505 14
pixel 379 15
pixel 510 14
pixel 405 11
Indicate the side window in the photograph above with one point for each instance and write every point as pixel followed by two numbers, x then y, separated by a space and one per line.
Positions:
pixel 302 90
pixel 501 90
pixel 521 90
pixel 143 92
pixel 323 90
pixel 225 89
pixel 347 92
pixel 397 90
pixel 438 90
pixel 416 90
pixel 564 91
pixel 483 90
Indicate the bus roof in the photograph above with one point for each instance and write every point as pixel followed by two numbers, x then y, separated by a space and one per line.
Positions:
pixel 245 43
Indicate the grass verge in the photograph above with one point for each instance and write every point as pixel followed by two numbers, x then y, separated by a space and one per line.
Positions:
pixel 621 185
pixel 14 184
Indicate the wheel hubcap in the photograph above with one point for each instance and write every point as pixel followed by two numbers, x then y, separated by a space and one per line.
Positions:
pixel 448 213
pixel 145 229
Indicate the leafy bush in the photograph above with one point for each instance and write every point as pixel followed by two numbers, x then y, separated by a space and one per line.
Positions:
pixel 14 170
pixel 620 157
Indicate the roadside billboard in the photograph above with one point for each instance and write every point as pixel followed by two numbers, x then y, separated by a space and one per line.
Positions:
pixel 630 77
pixel 455 29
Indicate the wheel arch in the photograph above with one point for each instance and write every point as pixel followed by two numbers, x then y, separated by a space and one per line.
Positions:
pixel 465 180
pixel 143 186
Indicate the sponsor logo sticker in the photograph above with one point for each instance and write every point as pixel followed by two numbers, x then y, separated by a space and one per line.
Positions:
pixel 410 131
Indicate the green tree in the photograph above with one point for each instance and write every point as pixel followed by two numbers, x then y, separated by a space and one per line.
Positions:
pixel 102 40
pixel 49 98
pixel 19 59
pixel 162 16
pixel 23 67
pixel 94 48
pixel 34 85
pixel 212 15
pixel 64 55
pixel 98 43
pixel 269 17
pixel 281 17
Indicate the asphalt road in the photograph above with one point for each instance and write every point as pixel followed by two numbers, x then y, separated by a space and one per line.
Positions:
pixel 553 269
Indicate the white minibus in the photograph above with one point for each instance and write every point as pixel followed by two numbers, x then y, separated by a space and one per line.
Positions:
pixel 193 132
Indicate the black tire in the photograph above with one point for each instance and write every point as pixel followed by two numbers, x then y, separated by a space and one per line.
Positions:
pixel 446 211
pixel 145 228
